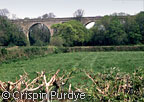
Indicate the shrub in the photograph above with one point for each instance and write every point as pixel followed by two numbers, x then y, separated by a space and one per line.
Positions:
pixel 4 51
pixel 115 86
pixel 106 48
pixel 60 50
pixel 56 41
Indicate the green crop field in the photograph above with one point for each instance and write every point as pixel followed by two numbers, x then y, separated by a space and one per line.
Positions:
pixel 97 61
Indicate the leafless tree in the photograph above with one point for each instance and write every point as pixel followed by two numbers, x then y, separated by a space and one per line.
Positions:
pixel 4 12
pixel 78 14
pixel 14 17
pixel 26 18
pixel 49 15
pixel 39 17
pixel 45 16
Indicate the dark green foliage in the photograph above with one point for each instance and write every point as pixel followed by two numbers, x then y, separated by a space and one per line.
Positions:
pixel 10 34
pixel 140 21
pixel 115 33
pixel 132 29
pixel 4 51
pixel 111 30
pixel 98 36
pixel 39 35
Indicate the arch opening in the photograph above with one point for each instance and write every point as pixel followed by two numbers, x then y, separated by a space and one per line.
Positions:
pixel 89 25
pixel 39 35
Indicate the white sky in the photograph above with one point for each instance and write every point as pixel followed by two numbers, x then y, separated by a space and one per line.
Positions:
pixel 66 8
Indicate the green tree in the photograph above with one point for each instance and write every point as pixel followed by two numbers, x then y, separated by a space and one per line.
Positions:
pixel 140 21
pixel 98 34
pixel 105 21
pixel 115 33
pixel 133 31
pixel 73 32
pixel 11 34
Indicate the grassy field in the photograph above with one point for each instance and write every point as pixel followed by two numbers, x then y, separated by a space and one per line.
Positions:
pixel 97 61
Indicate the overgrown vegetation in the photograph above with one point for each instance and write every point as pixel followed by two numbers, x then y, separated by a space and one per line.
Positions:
pixel 16 52
pixel 114 86
pixel 108 86
pixel 23 52
pixel 110 30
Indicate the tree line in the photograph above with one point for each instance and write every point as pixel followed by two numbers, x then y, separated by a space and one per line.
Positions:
pixel 11 34
pixel 110 30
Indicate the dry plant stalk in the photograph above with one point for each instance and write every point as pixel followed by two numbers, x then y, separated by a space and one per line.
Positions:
pixel 25 85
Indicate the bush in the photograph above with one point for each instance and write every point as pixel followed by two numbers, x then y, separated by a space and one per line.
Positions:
pixel 106 48
pixel 115 86
pixel 23 52
pixel 33 51
pixel 4 51
pixel 111 85
pixel 56 41
pixel 61 50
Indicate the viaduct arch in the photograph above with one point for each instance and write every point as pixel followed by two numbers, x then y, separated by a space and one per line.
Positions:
pixel 26 24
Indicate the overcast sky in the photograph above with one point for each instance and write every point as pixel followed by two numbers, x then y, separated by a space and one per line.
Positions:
pixel 66 8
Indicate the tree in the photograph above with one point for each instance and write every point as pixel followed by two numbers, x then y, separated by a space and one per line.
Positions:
pixel 49 15
pixel 120 14
pixel 140 21
pixel 4 12
pixel 14 17
pixel 39 17
pixel 78 14
pixel 73 32
pixel 11 34
pixel 133 31
pixel 26 18
pixel 105 21
pixel 115 33
pixel 98 35
pixel 45 16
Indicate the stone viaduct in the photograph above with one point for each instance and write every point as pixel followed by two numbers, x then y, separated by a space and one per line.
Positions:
pixel 26 24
